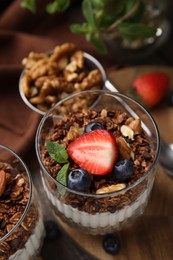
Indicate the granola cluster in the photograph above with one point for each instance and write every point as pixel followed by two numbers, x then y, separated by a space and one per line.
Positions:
pixel 132 142
pixel 13 202
pixel 48 78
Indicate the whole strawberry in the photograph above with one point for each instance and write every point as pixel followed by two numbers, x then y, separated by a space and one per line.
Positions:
pixel 149 89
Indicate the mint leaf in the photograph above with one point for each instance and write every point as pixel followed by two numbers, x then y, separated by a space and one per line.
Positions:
pixel 99 44
pixel 62 174
pixel 136 31
pixel 88 12
pixel 80 28
pixel 62 178
pixel 29 4
pixel 57 6
pixel 57 152
pixel 98 4
pixel 130 4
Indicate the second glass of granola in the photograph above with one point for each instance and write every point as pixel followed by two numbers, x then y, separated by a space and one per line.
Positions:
pixel 21 222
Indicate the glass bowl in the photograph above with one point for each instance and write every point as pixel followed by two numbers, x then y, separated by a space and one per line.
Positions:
pixel 41 86
pixel 21 221
pixel 100 212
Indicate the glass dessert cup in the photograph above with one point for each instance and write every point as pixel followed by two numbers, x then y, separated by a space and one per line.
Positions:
pixel 21 222
pixel 110 211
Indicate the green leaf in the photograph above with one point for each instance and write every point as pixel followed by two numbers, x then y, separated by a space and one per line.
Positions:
pixel 29 4
pixel 57 152
pixel 136 31
pixel 88 36
pixel 62 174
pixel 130 4
pixel 80 28
pixel 57 6
pixel 62 178
pixel 98 4
pixel 99 44
pixel 112 7
pixel 138 14
pixel 88 12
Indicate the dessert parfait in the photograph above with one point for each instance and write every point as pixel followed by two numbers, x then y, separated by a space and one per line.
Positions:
pixel 50 77
pixel 21 222
pixel 98 163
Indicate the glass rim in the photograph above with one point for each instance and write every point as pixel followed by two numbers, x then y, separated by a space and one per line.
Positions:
pixel 88 58
pixel 110 93
pixel 30 191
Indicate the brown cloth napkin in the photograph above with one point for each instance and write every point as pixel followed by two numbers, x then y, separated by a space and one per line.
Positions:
pixel 22 32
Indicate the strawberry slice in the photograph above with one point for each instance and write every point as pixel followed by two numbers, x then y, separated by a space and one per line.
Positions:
pixel 95 152
pixel 150 88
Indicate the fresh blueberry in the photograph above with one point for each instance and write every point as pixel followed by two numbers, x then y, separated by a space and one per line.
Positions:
pixel 52 230
pixel 93 126
pixel 79 180
pixel 111 244
pixel 123 170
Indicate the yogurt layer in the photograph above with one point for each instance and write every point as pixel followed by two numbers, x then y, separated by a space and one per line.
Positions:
pixel 99 223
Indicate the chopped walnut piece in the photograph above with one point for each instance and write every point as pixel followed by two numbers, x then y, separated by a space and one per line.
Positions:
pixel 127 132
pixel 135 125
pixel 124 148
pixel 111 188
pixel 2 181
pixel 73 132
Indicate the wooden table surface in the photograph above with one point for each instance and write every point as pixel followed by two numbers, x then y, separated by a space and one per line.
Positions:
pixel 151 235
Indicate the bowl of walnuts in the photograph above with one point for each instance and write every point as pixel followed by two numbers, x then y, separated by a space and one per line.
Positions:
pixel 47 78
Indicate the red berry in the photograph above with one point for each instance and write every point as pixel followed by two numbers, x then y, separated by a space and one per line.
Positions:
pixel 150 88
pixel 95 152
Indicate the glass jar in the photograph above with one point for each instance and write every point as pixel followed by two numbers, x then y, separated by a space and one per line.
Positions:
pixel 21 222
pixel 128 38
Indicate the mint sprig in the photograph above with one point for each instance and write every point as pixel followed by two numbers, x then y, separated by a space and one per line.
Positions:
pixel 57 6
pixel 58 153
pixel 62 174
pixel 30 5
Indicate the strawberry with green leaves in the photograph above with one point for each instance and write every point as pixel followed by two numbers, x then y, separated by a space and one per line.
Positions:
pixel 150 89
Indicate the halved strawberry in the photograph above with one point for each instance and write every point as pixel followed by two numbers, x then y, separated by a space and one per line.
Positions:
pixel 95 152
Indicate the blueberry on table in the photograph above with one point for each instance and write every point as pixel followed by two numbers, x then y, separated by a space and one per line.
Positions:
pixel 123 170
pixel 79 180
pixel 93 126
pixel 111 244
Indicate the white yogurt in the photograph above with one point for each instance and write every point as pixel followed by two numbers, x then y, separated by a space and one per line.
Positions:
pixel 99 221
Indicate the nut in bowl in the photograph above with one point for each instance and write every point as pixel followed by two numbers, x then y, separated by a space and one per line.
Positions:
pixel 98 164
pixel 21 221
pixel 49 77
